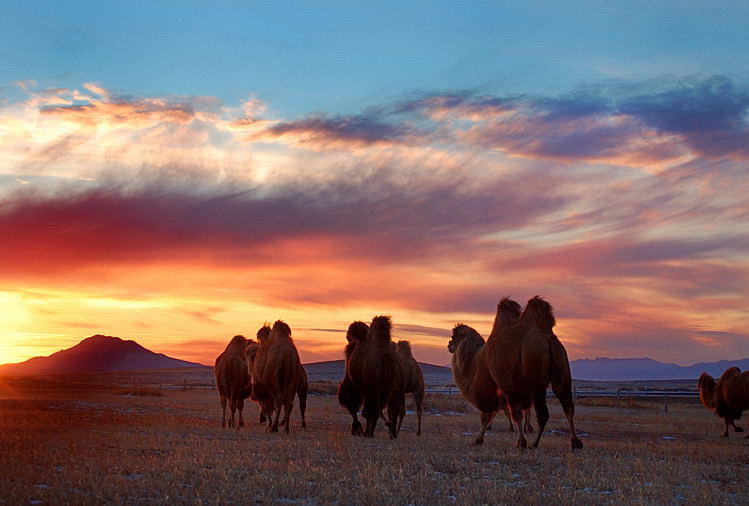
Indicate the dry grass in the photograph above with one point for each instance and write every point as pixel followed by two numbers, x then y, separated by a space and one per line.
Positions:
pixel 84 446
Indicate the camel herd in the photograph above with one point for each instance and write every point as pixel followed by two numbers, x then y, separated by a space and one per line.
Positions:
pixel 510 371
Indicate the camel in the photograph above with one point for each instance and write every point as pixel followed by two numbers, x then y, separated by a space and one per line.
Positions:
pixel 348 395
pixel 279 375
pixel 727 398
pixel 259 394
pixel 470 371
pixel 413 382
pixel 523 359
pixel 232 372
pixel 375 370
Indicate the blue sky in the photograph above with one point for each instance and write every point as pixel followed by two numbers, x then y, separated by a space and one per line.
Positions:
pixel 302 57
pixel 179 172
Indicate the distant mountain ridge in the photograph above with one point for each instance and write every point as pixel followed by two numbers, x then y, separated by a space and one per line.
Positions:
pixel 97 353
pixel 101 353
pixel 629 369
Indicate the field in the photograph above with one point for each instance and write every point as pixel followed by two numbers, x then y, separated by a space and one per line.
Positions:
pixel 74 441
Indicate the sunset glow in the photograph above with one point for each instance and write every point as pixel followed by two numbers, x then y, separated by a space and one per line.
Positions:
pixel 424 177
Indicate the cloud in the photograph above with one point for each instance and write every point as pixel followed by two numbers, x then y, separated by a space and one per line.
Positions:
pixel 331 132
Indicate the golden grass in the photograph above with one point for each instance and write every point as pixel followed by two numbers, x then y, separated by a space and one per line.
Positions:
pixel 98 446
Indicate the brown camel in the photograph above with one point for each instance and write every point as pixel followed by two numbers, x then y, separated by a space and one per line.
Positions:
pixel 279 375
pixel 232 372
pixel 523 359
pixel 471 373
pixel 348 394
pixel 260 393
pixel 375 370
pixel 413 382
pixel 727 398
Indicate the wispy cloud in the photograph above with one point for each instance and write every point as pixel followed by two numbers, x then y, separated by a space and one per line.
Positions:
pixel 613 201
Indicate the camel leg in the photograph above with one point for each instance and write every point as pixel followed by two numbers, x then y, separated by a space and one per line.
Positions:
pixel 486 421
pixel 528 426
pixel 232 410
pixel 517 418
pixel 371 413
pixel 542 414
pixel 506 411
pixel 729 423
pixel 276 416
pixel 419 411
pixel 240 407
pixel 396 412
pixel 223 411
pixel 288 406
pixel 568 405
pixel 303 407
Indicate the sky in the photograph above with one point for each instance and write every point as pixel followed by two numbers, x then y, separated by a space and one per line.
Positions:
pixel 179 172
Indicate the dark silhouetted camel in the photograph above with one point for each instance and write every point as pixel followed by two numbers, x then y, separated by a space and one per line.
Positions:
pixel 413 382
pixel 523 359
pixel 727 398
pixel 375 370
pixel 279 372
pixel 348 394
pixel 232 372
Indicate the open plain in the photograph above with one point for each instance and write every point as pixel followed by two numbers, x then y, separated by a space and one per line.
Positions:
pixel 73 440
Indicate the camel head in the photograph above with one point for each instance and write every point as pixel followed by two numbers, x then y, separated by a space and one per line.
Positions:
pixel 263 333
pixel 460 332
pixel 251 349
pixel 540 312
pixel 706 383
pixel 357 332
pixel 379 330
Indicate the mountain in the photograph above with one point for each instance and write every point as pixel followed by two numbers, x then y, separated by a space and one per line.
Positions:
pixel 627 369
pixel 332 370
pixel 97 353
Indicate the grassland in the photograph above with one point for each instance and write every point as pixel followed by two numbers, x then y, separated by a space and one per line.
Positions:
pixel 73 442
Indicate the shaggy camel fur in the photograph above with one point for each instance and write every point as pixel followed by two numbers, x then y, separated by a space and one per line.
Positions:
pixel 232 372
pixel 375 370
pixel 523 359
pixel 348 395
pixel 259 394
pixel 278 370
pixel 413 383
pixel 727 398
pixel 471 372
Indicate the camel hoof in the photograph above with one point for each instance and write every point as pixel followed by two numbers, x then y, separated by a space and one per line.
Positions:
pixel 576 444
pixel 478 442
pixel 304 424
pixel 738 429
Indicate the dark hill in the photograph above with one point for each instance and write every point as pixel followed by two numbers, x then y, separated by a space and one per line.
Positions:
pixel 332 370
pixel 97 353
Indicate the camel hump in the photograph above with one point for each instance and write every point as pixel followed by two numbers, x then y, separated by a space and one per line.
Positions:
pixel 509 305
pixel 263 333
pixel 380 329
pixel 237 344
pixel 705 380
pixel 540 312
pixel 281 328
pixel 404 348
